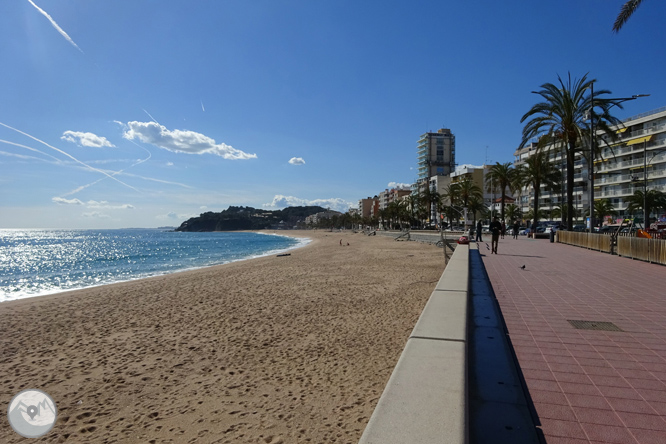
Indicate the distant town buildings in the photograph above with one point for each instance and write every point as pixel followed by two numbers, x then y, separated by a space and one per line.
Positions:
pixel 636 161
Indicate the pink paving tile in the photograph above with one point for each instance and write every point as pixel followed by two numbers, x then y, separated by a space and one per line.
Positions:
pixel 631 405
pixel 529 373
pixel 602 371
pixel 625 364
pixel 647 436
pixel 659 406
pixel 648 384
pixel 555 411
pixel 542 384
pixel 535 365
pixel 584 362
pixel 641 421
pixel 558 359
pixel 608 434
pixel 633 373
pixel 613 381
pixel 596 416
pixel 587 401
pixel 579 389
pixel 548 397
pixel 566 368
pixel 653 360
pixel 572 377
pixel 619 392
pixel 564 429
pixel 652 395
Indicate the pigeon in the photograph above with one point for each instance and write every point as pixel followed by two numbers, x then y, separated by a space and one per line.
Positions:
pixel 522 268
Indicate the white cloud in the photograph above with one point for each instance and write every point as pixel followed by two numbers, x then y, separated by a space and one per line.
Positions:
pixel 337 204
pixel 181 141
pixel 400 186
pixel 86 139
pixel 97 215
pixel 468 165
pixel 297 161
pixel 55 25
pixel 172 216
pixel 92 204
pixel 63 201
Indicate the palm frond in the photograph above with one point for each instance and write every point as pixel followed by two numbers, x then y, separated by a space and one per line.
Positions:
pixel 626 12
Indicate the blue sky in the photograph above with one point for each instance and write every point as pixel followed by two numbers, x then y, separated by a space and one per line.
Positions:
pixel 142 113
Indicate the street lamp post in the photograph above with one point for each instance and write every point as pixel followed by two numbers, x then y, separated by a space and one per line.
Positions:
pixel 593 152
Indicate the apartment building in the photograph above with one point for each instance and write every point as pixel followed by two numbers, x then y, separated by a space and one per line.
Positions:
pixel 436 153
pixel 634 162
pixel 387 196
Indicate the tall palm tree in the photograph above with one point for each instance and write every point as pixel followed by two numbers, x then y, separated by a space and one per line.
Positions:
pixel 502 176
pixel 562 121
pixel 536 171
pixel 626 12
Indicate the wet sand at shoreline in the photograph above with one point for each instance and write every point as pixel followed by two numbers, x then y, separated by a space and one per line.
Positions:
pixel 284 349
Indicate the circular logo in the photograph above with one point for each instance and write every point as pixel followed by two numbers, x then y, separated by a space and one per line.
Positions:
pixel 32 413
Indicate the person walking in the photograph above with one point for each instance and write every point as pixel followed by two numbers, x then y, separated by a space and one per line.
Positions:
pixel 503 229
pixel 479 230
pixel 516 229
pixel 496 230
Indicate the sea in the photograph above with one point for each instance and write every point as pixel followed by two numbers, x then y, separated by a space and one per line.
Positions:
pixel 40 262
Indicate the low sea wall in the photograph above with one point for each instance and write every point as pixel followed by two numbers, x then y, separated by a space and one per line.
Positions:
pixel 425 400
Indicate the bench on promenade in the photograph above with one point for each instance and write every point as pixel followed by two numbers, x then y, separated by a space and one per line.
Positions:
pixel 425 398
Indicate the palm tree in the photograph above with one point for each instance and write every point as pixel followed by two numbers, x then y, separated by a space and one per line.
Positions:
pixel 475 205
pixel 627 11
pixel 502 176
pixel 562 121
pixel 513 212
pixel 536 171
pixel 467 190
pixel 603 208
pixel 654 201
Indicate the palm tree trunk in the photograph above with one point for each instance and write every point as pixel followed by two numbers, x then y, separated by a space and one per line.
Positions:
pixel 570 186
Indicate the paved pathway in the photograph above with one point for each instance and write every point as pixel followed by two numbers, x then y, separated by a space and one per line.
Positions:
pixel 588 386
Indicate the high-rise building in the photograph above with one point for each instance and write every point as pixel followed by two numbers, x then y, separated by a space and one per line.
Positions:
pixel 436 154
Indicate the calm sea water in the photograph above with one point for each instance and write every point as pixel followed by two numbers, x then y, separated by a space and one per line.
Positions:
pixel 39 262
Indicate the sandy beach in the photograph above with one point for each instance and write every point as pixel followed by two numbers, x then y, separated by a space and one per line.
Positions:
pixel 272 350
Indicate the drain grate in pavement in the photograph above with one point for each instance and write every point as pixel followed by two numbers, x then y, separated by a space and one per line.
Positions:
pixel 594 325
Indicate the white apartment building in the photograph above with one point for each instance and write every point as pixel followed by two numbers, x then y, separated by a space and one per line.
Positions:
pixel 636 160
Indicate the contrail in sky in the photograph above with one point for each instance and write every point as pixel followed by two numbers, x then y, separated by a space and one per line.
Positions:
pixel 153 119
pixel 55 25
pixel 83 187
pixel 202 107
pixel 71 157
pixel 31 149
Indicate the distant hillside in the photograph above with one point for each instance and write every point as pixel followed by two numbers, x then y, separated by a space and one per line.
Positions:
pixel 248 218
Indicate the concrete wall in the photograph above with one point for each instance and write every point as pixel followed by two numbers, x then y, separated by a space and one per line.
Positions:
pixel 425 399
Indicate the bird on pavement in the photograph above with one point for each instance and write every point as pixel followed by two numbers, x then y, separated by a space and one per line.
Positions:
pixel 522 268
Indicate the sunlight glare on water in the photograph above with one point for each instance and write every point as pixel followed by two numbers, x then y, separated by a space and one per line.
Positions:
pixel 38 262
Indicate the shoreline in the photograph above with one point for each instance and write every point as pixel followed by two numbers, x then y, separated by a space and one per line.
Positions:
pixel 269 350
pixel 301 242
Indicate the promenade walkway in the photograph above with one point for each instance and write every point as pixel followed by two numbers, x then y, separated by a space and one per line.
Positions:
pixel 604 382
